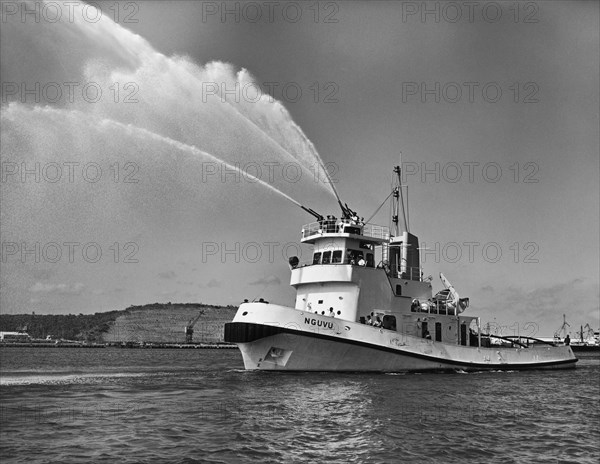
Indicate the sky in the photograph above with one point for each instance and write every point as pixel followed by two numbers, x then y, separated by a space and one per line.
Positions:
pixel 122 127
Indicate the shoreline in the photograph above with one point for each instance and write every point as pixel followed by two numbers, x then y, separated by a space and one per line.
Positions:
pixel 184 346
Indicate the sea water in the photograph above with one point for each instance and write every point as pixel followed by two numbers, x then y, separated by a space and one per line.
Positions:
pixel 201 406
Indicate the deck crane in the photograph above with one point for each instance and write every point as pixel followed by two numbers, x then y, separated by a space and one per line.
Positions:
pixel 454 300
pixel 189 328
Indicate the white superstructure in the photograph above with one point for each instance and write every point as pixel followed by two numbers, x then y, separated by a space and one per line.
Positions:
pixel 362 304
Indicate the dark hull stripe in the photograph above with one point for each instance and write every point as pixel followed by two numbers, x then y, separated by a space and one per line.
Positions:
pixel 247 332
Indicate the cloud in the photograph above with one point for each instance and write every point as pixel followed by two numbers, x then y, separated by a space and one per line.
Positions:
pixel 545 305
pixel 100 291
pixel 268 280
pixel 213 283
pixel 168 293
pixel 189 296
pixel 540 299
pixel 41 274
pixel 167 275
pixel 61 289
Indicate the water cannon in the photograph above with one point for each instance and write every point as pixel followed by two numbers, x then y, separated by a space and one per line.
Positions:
pixel 347 212
pixel 312 212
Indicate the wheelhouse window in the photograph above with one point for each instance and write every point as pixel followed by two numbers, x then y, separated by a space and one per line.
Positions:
pixel 337 256
pixel 350 257
pixel 316 258
pixel 327 257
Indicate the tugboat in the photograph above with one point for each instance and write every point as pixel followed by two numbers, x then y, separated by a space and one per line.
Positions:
pixel 362 304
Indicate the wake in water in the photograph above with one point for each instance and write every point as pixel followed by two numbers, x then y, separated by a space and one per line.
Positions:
pixel 64 379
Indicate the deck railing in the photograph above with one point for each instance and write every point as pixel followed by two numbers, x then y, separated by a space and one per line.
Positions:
pixel 340 226
pixel 408 273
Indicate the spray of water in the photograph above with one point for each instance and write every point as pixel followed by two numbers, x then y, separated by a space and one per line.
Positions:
pixel 168 96
pixel 316 155
pixel 310 146
pixel 156 122
pixel 140 132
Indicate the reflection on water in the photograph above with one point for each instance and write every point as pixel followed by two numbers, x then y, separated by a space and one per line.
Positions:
pixel 201 406
pixel 325 416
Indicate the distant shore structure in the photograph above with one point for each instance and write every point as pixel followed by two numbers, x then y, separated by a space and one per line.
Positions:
pixel 14 336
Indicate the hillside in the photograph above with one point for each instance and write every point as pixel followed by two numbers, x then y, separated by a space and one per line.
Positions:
pixel 164 323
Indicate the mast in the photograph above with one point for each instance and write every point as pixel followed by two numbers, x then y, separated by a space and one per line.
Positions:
pixel 398 207
pixel 404 246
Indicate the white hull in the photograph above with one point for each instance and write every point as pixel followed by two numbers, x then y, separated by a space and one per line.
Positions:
pixel 302 341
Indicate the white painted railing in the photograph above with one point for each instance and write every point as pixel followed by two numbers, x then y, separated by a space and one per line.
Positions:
pixel 340 226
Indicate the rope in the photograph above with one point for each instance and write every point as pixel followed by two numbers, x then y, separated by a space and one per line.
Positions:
pixel 380 206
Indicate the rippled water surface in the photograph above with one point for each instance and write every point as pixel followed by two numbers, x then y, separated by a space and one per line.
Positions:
pixel 187 406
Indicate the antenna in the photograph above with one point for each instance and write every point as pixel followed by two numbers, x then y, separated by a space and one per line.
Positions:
pixel 380 206
pixel 407 212
pixel 398 203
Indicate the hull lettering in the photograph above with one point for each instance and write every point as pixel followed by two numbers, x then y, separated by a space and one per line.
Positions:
pixel 318 323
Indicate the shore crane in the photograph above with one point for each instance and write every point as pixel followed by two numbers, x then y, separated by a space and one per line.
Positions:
pixel 562 329
pixel 585 334
pixel 189 328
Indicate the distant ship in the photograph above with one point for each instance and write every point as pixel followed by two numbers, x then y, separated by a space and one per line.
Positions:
pixel 586 340
pixel 362 304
